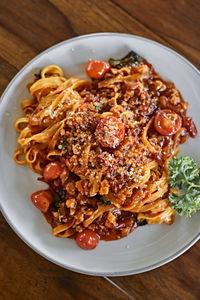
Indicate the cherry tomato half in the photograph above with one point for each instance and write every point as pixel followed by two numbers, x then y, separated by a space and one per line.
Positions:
pixel 167 122
pixel 87 239
pixel 110 132
pixel 97 69
pixel 52 170
pixel 190 126
pixel 42 199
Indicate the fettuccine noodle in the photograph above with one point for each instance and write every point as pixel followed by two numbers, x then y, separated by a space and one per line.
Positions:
pixel 108 188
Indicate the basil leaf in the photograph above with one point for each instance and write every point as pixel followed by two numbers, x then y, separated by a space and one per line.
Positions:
pixel 129 59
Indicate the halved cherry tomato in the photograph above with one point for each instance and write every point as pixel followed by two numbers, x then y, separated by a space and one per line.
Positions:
pixel 42 199
pixel 97 69
pixel 87 239
pixel 167 122
pixel 190 126
pixel 110 132
pixel 52 170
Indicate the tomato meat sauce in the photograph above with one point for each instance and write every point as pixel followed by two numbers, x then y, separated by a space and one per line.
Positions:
pixel 190 126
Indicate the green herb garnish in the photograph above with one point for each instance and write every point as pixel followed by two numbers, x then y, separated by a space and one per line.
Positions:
pixel 155 101
pixel 129 59
pixel 184 175
pixel 139 222
pixel 104 200
pixel 158 104
pixel 100 106
pixel 59 198
pixel 64 144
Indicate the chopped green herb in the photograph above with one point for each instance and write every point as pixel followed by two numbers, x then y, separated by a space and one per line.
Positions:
pixel 129 59
pixel 59 198
pixel 139 222
pixel 158 104
pixel 61 194
pixel 100 106
pixel 104 200
pixel 184 175
pixel 64 144
pixel 155 101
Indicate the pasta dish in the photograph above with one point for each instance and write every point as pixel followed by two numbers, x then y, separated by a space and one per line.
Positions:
pixel 102 146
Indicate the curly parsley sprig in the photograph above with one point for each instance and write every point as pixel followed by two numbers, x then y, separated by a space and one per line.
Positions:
pixel 184 175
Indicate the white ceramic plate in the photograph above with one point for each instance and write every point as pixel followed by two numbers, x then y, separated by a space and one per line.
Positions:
pixel 147 247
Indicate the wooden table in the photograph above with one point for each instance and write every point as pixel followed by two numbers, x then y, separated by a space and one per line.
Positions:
pixel 29 27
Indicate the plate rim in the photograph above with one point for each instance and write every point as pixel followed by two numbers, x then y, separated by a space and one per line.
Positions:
pixel 33 247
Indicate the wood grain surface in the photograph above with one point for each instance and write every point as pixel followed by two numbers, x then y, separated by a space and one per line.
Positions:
pixel 29 27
